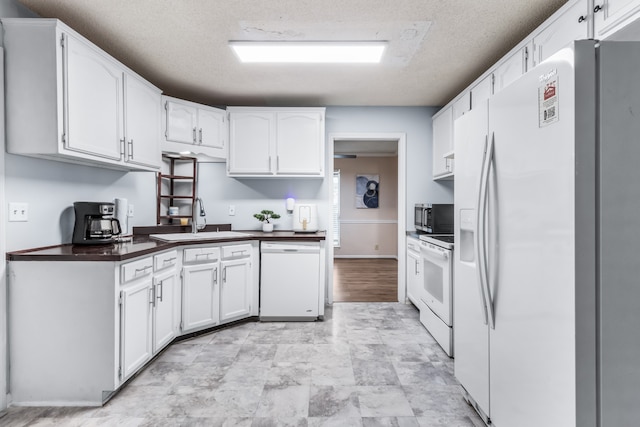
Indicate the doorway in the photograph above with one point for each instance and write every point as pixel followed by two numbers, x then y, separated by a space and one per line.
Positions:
pixel 374 237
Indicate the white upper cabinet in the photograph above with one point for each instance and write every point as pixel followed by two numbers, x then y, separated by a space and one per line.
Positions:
pixel 252 134
pixel 612 15
pixel 76 103
pixel 92 88
pixel 142 122
pixel 300 143
pixel 276 142
pixel 461 106
pixel 194 128
pixel 442 143
pixel 573 23
pixel 510 69
pixel 482 91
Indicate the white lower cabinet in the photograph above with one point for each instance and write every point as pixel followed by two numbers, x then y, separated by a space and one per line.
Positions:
pixel 135 326
pixel 164 313
pixel 219 285
pixel 414 272
pixel 200 296
pixel 78 330
pixel 237 285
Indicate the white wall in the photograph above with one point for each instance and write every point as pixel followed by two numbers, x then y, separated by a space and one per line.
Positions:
pixel 415 122
pixel 250 195
pixel 8 9
pixel 51 187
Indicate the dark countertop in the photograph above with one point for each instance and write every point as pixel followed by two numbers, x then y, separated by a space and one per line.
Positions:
pixel 141 244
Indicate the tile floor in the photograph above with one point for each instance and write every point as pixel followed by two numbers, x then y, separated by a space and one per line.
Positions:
pixel 367 364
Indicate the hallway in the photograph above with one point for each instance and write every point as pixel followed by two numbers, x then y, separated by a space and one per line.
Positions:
pixel 365 280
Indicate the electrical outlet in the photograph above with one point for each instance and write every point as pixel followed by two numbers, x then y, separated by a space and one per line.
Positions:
pixel 232 210
pixel 377 247
pixel 18 212
pixel 130 211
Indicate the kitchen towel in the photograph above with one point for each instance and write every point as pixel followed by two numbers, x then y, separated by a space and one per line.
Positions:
pixel 122 207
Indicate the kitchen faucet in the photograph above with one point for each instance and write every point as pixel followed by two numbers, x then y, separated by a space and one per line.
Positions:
pixel 194 218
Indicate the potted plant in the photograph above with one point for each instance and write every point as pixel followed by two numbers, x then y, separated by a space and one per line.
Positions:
pixel 265 217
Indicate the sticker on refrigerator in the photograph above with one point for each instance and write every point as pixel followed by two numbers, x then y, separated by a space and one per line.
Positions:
pixel 548 102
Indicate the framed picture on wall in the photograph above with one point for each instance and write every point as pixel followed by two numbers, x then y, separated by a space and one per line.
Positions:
pixel 367 191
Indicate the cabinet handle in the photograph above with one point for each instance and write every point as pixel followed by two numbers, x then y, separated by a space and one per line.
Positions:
pixel 215 276
pixel 169 260
pixel 160 286
pixel 597 9
pixel 65 89
pixel 142 270
pixel 200 135
pixel 224 275
pixel 582 18
pixel 152 292
pixel 131 149
pixel 194 135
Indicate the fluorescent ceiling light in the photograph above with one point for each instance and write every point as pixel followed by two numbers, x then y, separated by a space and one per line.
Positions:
pixel 308 52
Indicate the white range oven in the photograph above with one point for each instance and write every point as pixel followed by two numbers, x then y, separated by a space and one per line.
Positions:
pixel 436 252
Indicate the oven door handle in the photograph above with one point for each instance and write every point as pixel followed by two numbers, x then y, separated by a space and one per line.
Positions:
pixel 434 252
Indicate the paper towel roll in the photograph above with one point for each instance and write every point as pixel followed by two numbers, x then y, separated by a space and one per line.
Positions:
pixel 122 208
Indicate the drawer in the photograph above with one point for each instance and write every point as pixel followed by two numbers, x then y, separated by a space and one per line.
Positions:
pixel 201 255
pixel 165 260
pixel 413 245
pixel 236 251
pixel 136 269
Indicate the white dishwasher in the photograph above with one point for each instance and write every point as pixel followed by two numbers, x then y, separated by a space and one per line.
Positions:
pixel 289 280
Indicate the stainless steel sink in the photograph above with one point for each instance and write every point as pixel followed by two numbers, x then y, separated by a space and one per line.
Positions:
pixel 207 235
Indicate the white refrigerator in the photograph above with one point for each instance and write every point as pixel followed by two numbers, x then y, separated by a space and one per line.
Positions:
pixel 547 275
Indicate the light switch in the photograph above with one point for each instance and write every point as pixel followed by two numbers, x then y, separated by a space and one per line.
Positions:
pixel 232 210
pixel 18 212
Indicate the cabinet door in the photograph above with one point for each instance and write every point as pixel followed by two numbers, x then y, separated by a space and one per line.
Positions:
pixel 251 136
pixel 213 128
pixel 511 69
pixel 461 106
pixel 442 141
pixel 135 324
pixel 413 277
pixel 482 92
pixel 235 292
pixel 93 101
pixel 300 143
pixel 182 122
pixel 611 15
pixel 164 313
pixel 572 25
pixel 200 298
pixel 142 122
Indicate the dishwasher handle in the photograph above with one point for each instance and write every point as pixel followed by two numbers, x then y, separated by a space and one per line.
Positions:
pixel 292 247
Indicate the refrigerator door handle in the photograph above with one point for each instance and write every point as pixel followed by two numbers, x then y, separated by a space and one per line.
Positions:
pixel 479 239
pixel 482 231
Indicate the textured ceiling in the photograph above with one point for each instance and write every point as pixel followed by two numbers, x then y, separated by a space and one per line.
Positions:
pixel 436 47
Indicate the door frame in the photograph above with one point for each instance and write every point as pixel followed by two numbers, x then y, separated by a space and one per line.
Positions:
pixel 401 139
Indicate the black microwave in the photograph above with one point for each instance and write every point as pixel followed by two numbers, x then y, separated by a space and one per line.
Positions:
pixel 434 218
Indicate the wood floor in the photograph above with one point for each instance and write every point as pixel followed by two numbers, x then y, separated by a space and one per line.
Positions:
pixel 365 280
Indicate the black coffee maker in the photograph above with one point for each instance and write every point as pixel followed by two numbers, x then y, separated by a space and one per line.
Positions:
pixel 95 224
